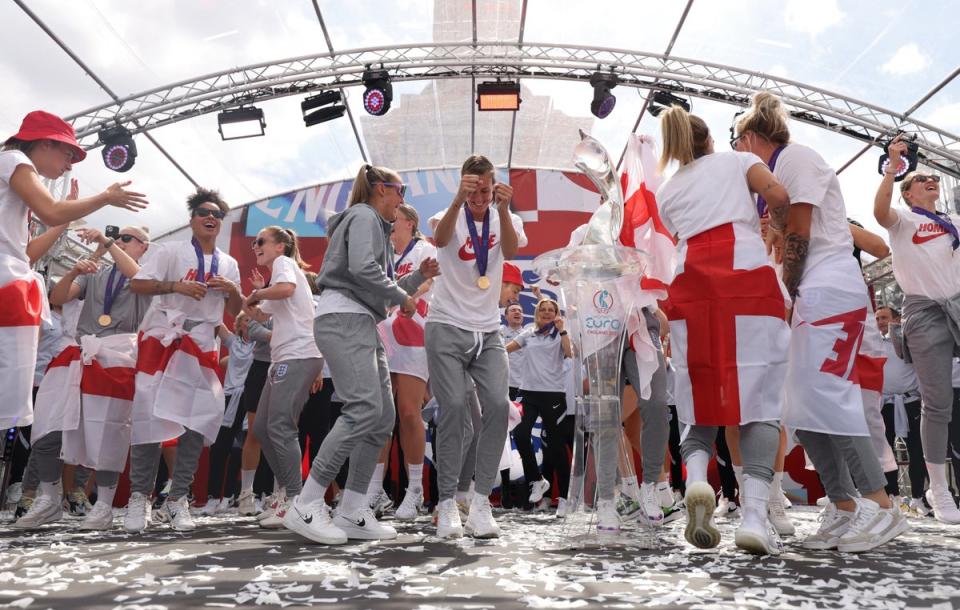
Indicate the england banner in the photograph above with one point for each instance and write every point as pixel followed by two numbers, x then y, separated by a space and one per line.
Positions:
pixel 23 304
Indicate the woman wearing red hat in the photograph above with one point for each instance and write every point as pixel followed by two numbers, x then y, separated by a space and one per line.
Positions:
pixel 45 147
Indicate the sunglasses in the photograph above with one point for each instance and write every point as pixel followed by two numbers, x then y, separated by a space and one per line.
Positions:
pixel 921 178
pixel 733 141
pixel 127 238
pixel 401 187
pixel 204 212
pixel 258 242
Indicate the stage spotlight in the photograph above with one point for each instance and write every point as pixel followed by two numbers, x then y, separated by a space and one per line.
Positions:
pixel 603 100
pixel 119 151
pixel 243 122
pixel 907 164
pixel 655 109
pixel 498 96
pixel 317 109
pixel 379 92
pixel 665 98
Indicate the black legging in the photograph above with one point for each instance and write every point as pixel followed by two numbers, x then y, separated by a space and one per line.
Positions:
pixel 728 478
pixel 222 467
pixel 550 407
pixel 676 461
pixel 917 468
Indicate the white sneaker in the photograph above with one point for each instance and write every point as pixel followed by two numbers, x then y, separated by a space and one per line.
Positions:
pixel 211 508
pixel 665 494
pixel 787 504
pixel 944 508
pixel 362 524
pixel 138 513
pixel 608 519
pixel 563 508
pixel 777 514
pixel 756 536
pixel 100 517
pixel 448 519
pixel 872 527
pixel 833 524
pixel 380 503
pixel 823 501
pixel 411 505
pixel 177 514
pixel 537 489
pixel 650 503
pixel 313 522
pixel 480 522
pixel 77 503
pixel 701 531
pixel 919 507
pixel 727 509
pixel 44 510
pixel 274 521
pixel 247 504
pixel 270 505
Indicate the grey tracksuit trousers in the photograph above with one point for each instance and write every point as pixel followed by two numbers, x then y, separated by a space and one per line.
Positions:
pixel 758 445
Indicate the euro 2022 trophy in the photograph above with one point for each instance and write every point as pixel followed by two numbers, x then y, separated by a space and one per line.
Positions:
pixel 598 280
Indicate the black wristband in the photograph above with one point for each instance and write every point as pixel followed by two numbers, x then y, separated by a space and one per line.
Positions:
pixel 563 334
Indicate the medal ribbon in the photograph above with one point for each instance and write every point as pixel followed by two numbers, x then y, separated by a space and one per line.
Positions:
pixel 944 221
pixel 772 164
pixel 110 294
pixel 481 245
pixel 547 328
pixel 214 262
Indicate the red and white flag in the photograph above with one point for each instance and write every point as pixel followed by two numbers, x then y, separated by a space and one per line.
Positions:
pixel 643 229
pixel 868 374
pixel 22 305
pixel 87 393
pixel 403 341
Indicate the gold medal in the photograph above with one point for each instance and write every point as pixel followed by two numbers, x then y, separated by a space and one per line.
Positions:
pixel 104 320
pixel 483 282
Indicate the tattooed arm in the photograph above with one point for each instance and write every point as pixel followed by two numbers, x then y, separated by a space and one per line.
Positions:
pixel 796 244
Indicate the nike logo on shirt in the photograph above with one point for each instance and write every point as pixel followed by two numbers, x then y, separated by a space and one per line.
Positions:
pixel 919 239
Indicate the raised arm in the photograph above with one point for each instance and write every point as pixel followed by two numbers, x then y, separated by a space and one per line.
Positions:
pixel 26 184
pixel 509 241
pixel 884 197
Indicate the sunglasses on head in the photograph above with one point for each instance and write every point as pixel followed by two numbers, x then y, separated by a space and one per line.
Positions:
pixel 204 212
pixel 127 238
pixel 401 187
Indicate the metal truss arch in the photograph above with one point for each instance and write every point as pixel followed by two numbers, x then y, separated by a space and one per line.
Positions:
pixel 508 59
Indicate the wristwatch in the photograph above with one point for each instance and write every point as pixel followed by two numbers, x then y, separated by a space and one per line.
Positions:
pixel 563 334
pixel 109 242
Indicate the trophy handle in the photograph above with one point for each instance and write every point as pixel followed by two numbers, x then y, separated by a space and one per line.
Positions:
pixel 593 160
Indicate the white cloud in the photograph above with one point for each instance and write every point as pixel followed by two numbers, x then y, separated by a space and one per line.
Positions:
pixel 908 59
pixel 812 16
pixel 945 117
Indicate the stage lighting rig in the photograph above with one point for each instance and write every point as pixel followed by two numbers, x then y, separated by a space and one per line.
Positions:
pixel 667 99
pixel 119 150
pixel 379 92
pixel 243 122
pixel 322 107
pixel 603 100
pixel 498 96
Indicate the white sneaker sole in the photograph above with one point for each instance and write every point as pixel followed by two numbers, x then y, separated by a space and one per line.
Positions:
pixel 754 543
pixel 361 533
pixel 701 504
pixel 484 535
pixel 449 532
pixel 821 545
pixel 864 546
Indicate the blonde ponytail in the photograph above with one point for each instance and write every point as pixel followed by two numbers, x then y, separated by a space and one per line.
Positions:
pixel 767 118
pixel 368 176
pixel 685 137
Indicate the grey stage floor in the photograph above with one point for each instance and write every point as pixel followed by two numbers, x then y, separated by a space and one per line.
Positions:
pixel 227 562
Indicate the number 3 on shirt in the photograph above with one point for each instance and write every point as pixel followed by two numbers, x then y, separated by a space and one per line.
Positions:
pixel 847 346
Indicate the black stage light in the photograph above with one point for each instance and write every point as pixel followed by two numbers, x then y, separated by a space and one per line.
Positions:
pixel 665 98
pixel 603 100
pixel 907 164
pixel 119 151
pixel 379 92
pixel 498 96
pixel 243 122
pixel 318 109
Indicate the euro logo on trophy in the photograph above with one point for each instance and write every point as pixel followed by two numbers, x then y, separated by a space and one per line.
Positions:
pixel 598 281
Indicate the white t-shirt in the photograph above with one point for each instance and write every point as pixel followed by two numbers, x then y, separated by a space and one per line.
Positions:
pixel 515 358
pixel 923 260
pixel 420 252
pixel 238 364
pixel 292 337
pixel 177 261
pixel 808 179
pixel 14 233
pixel 457 300
pixel 898 376
pixel 709 192
pixel 542 362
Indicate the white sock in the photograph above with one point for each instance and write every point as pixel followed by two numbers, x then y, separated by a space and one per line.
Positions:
pixel 246 480
pixel 276 485
pixel 629 486
pixel 311 492
pixel 754 496
pixel 463 496
pixel 696 464
pixel 738 474
pixel 937 472
pixel 105 494
pixel 776 488
pixel 350 501
pixel 415 476
pixel 376 481
pixel 53 490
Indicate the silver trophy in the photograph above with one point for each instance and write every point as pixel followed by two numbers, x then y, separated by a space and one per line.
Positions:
pixel 598 282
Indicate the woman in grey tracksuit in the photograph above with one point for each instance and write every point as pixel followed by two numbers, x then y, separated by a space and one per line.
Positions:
pixel 357 289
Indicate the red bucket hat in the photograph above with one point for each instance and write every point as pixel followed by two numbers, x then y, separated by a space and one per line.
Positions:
pixel 40 125
pixel 511 274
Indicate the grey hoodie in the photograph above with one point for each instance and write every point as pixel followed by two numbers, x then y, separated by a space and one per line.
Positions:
pixel 358 254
